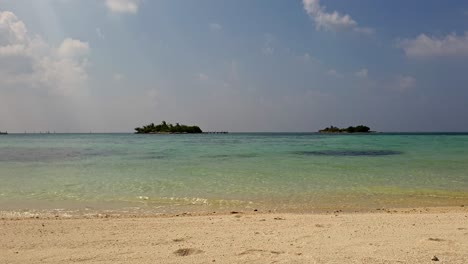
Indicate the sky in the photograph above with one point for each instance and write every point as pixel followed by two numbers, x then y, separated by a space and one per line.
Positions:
pixel 238 66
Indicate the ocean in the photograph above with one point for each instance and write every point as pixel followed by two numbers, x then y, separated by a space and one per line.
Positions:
pixel 296 172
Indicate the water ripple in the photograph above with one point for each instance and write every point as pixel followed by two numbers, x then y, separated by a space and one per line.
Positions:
pixel 353 153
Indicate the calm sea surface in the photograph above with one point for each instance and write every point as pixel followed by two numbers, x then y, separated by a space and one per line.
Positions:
pixel 176 173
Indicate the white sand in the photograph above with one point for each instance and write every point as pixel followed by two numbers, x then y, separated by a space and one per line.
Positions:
pixel 396 237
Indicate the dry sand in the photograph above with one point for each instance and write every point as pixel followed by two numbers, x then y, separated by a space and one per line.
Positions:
pixel 408 236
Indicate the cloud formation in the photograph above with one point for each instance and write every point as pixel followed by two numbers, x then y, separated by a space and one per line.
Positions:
pixel 334 73
pixel 27 61
pixel 73 48
pixel 333 21
pixel 363 73
pixel 451 45
pixel 123 6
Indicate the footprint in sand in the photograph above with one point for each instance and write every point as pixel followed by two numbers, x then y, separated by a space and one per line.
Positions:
pixel 187 251
pixel 435 239
pixel 261 251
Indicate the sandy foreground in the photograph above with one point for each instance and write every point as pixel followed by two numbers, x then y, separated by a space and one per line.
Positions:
pixel 402 236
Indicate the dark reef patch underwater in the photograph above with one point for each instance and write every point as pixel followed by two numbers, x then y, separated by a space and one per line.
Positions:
pixel 48 154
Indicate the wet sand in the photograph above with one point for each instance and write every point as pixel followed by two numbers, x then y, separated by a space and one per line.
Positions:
pixel 379 236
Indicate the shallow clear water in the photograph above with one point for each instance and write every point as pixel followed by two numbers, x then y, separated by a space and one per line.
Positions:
pixel 170 173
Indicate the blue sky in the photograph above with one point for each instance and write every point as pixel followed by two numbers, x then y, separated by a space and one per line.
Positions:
pixel 264 65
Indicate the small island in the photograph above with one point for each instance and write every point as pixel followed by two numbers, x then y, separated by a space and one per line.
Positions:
pixel 167 128
pixel 351 129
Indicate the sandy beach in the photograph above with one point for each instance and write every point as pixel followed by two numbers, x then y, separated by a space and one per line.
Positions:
pixel 378 236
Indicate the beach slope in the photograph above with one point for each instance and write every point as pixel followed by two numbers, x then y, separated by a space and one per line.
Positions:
pixel 411 236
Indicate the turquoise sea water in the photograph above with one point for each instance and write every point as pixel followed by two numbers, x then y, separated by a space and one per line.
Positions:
pixel 281 171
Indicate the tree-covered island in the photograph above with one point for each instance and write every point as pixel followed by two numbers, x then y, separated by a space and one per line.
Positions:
pixel 167 128
pixel 351 129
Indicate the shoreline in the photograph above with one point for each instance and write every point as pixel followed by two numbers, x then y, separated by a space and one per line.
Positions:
pixel 413 235
pixel 58 214
pixel 147 206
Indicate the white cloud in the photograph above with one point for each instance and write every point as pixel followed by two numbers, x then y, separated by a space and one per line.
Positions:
pixel 71 48
pixel 11 29
pixel 306 58
pixel 405 82
pixel 332 21
pixel 27 61
pixel 334 73
pixel 363 73
pixel 426 46
pixel 215 27
pixel 123 6
pixel 11 50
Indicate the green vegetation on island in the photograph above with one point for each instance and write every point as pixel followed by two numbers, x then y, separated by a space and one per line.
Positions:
pixel 167 128
pixel 351 129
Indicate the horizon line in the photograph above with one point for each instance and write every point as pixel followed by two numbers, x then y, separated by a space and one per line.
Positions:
pixel 237 132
